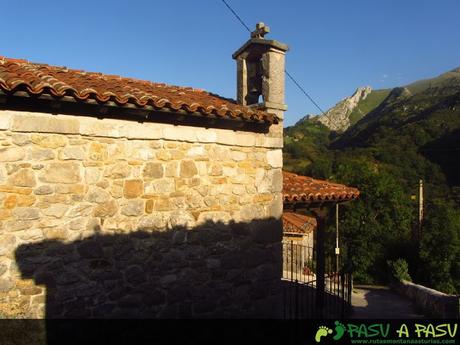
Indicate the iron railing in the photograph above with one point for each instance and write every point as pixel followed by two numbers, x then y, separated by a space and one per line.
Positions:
pixel 299 285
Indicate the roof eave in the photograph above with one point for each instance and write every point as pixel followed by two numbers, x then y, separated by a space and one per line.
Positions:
pixel 298 204
pixel 143 112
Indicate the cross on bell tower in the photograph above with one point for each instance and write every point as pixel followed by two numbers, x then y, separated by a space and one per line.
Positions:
pixel 260 31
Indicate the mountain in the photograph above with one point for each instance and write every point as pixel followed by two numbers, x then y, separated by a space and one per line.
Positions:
pixel 364 100
pixel 407 106
pixel 338 117
pixel 445 82
pixel 349 110
pixel 418 122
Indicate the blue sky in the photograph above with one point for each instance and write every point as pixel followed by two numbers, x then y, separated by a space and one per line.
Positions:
pixel 336 46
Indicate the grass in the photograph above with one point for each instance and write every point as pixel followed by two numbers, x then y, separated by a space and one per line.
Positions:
pixel 365 106
pixel 445 79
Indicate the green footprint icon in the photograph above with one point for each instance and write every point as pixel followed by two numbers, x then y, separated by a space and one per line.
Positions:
pixel 339 330
pixel 322 332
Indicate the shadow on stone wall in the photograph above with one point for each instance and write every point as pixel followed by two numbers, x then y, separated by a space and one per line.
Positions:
pixel 214 270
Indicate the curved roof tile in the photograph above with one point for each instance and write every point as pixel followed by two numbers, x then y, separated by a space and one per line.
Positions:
pixel 304 189
pixel 37 79
pixel 298 223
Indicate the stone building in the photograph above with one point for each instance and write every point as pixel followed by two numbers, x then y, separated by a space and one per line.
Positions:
pixel 298 243
pixel 127 198
pixel 298 228
pixel 301 195
pixel 325 287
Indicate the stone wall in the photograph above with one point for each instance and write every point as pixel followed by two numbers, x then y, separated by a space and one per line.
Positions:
pixel 105 218
pixel 431 302
pixel 304 240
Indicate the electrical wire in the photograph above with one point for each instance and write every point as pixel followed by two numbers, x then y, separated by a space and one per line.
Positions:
pixel 296 83
pixel 236 15
pixel 303 91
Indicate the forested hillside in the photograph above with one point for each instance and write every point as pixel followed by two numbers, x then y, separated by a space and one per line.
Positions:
pixel 410 133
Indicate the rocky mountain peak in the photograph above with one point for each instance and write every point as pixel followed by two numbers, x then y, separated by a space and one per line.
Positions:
pixel 305 118
pixel 338 117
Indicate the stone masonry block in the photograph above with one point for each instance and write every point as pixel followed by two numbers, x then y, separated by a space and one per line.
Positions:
pixel 133 188
pixel 275 158
pixel 11 154
pixel 45 124
pixel 5 119
pixel 65 172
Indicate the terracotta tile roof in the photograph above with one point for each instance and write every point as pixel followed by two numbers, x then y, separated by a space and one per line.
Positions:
pixel 304 189
pixel 37 79
pixel 298 223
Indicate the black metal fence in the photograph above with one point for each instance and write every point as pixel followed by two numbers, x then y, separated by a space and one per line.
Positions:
pixel 299 285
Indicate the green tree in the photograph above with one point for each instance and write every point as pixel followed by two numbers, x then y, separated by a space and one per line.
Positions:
pixel 377 226
pixel 440 248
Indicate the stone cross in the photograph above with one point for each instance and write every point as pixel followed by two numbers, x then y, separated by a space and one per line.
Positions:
pixel 260 31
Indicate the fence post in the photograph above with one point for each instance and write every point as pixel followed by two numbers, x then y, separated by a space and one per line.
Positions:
pixel 320 215
pixel 342 295
pixel 350 288
pixel 284 300
pixel 296 300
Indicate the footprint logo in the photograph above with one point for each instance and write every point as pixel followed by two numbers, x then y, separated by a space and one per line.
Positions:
pixel 322 332
pixel 339 330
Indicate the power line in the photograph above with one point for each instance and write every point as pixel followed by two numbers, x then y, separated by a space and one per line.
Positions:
pixel 236 15
pixel 303 91
pixel 287 73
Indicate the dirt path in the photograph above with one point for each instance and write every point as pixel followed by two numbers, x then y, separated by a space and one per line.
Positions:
pixel 379 302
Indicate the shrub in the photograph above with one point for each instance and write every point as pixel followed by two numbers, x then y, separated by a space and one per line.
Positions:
pixel 399 270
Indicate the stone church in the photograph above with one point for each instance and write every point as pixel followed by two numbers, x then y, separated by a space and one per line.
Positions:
pixel 128 198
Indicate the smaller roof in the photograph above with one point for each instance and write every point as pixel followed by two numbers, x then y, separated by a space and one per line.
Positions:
pixel 296 223
pixel 37 79
pixel 304 189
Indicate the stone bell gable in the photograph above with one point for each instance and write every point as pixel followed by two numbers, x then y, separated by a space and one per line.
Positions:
pixel 127 198
pixel 260 72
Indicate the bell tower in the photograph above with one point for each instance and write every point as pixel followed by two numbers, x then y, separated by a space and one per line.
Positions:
pixel 260 72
